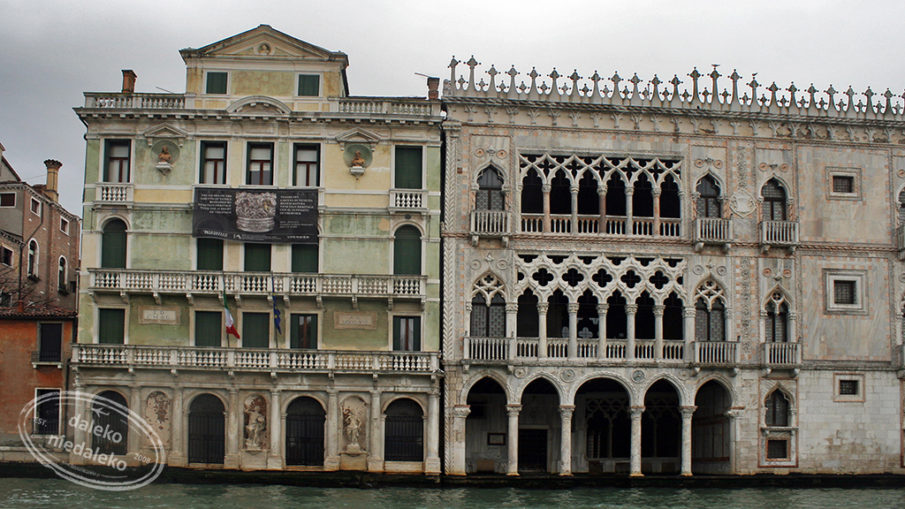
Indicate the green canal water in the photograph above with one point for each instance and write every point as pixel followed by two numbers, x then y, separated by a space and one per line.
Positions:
pixel 46 493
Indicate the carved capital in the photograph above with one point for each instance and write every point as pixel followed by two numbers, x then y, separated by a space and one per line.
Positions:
pixel 689 312
pixel 637 411
pixel 687 411
pixel 512 307
pixel 546 188
pixel 631 309
pixel 542 307
pixel 573 307
pixel 461 411
pixel 602 309
pixel 658 309
pixel 566 411
pixel 513 410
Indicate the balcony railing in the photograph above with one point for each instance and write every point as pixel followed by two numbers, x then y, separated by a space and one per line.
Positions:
pixel 252 283
pixel 607 226
pixel 712 230
pixel 778 355
pixel 505 350
pixel 113 193
pixel 490 223
pixel 716 353
pixel 779 233
pixel 135 101
pixel 384 106
pixel 193 358
pixel 408 199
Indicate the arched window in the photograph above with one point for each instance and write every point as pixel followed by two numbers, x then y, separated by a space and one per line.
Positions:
pixel 407 251
pixel 642 197
pixel 670 205
pixel 61 276
pixel 404 431
pixel 777 409
pixel 532 194
pixel 527 319
pixel 560 194
pixel 777 323
pixel 673 319
pixel 490 190
pixel 709 203
pixel 774 201
pixel 488 319
pixel 113 245
pixel 710 312
pixel 32 267
pixel 615 196
pixel 588 197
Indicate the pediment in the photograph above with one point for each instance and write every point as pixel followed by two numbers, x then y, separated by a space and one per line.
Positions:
pixel 264 41
pixel 259 104
pixel 164 131
pixel 358 135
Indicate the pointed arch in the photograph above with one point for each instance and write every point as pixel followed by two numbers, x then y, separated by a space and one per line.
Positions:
pixel 532 195
pixel 778 404
pixel 489 184
pixel 710 197
pixel 488 307
pixel 710 311
pixel 487 286
pixel 775 200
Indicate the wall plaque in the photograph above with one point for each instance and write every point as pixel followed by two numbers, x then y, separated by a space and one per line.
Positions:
pixel 354 320
pixel 161 315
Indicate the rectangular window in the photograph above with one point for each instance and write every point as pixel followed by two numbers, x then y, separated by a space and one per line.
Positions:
pixel 309 85
pixel 111 326
pixel 848 387
pixel 307 162
pixel 255 330
pixel 50 342
pixel 843 184
pixel 64 225
pixel 777 449
pixel 260 164
pixel 7 199
pixel 408 168
pixel 407 333
pixel 257 257
pixel 213 162
pixel 116 160
pixel 844 292
pixel 6 256
pixel 304 258
pixel 47 412
pixel 208 331
pixel 36 206
pixel 216 82
pixel 304 332
pixel 210 254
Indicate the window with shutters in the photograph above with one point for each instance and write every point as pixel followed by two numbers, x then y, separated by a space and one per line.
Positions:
pixel 709 203
pixel 209 254
pixel 111 326
pixel 50 342
pixel 774 201
pixel 304 258
pixel 257 257
pixel 117 160
pixel 407 333
pixel 216 82
pixel 408 168
pixel 309 85
pixel 260 164
pixel 490 191
pixel 113 245
pixel 407 251
pixel 488 319
pixel 213 162
pixel 303 331
pixel 208 328
pixel 255 330
pixel 307 165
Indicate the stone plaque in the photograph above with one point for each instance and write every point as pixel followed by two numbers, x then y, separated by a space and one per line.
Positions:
pixel 161 315
pixel 354 320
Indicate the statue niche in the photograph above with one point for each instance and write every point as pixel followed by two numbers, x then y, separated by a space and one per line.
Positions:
pixel 354 425
pixel 157 415
pixel 255 423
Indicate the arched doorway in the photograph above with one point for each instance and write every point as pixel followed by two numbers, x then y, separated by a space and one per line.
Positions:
pixel 114 441
pixel 486 428
pixel 403 431
pixel 305 419
pixel 539 428
pixel 710 439
pixel 603 427
pixel 206 430
pixel 661 430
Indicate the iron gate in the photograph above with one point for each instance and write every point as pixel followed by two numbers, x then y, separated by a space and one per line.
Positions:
pixel 114 436
pixel 305 439
pixel 206 430
pixel 404 438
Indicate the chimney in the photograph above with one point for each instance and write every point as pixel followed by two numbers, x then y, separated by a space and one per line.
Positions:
pixel 53 170
pixel 128 81
pixel 433 84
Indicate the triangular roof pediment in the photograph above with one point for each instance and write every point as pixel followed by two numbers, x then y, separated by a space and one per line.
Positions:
pixel 358 135
pixel 164 131
pixel 264 41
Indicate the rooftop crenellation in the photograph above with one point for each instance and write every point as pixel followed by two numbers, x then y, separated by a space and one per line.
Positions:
pixel 699 91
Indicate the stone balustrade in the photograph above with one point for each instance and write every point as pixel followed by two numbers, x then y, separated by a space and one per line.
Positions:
pixel 779 355
pixel 248 359
pixel 712 230
pixel 106 192
pixel 779 233
pixel 493 223
pixel 255 283
pixel 119 101
pixel 716 353
pixel 602 226
pixel 408 199
pixel 526 350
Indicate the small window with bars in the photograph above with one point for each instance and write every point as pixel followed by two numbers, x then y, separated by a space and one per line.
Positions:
pixel 844 292
pixel 777 449
pixel 844 184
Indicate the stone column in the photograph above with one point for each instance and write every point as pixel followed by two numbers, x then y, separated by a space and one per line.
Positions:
pixel 82 413
pixel 688 324
pixel 635 463
pixel 629 220
pixel 512 467
pixel 275 457
pixel 176 455
pixel 601 195
pixel 601 330
pixel 630 311
pixel 793 327
pixel 658 330
pixel 565 441
pixel 573 330
pixel 574 192
pixel 457 439
pixel 687 412
pixel 733 414
pixel 656 197
pixel 234 417
pixel 511 327
pixel 133 441
pixel 331 461
pixel 432 464
pixel 546 190
pixel 375 437
pixel 542 329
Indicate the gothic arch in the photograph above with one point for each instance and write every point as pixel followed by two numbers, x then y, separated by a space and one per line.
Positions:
pixel 573 387
pixel 480 375
pixel 476 176
pixel 710 288
pixel 488 285
pixel 722 381
pixel 784 297
pixel 677 384
pixel 519 390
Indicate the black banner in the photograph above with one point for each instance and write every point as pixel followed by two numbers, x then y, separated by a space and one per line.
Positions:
pixel 256 215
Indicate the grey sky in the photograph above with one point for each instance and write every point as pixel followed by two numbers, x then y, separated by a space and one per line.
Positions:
pixel 54 51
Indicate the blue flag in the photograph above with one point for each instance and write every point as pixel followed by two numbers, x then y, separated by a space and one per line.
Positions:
pixel 276 312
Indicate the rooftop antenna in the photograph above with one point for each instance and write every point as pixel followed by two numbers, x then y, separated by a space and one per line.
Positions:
pixel 165 90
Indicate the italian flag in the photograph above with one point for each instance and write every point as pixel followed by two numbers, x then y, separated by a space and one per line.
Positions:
pixel 230 324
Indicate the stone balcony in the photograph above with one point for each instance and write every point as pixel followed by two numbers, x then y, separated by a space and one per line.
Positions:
pixel 604 226
pixel 782 234
pixel 408 200
pixel 481 350
pixel 109 193
pixel 490 224
pixel 134 357
pixel 247 284
pixel 714 231
pixel 781 356
pixel 716 354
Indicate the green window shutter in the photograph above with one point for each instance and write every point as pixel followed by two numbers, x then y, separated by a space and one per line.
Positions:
pixel 111 326
pixel 255 330
pixel 216 83
pixel 408 167
pixel 304 258
pixel 113 245
pixel 208 330
pixel 407 251
pixel 407 333
pixel 304 332
pixel 309 85
pixel 257 257
pixel 210 254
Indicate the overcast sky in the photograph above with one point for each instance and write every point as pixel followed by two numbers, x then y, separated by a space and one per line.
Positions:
pixel 51 52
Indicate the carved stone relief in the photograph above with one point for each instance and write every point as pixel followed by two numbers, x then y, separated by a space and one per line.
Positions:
pixel 355 412
pixel 256 423
pixel 157 415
